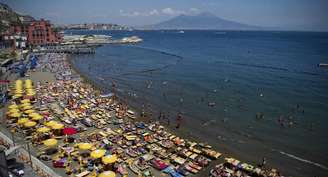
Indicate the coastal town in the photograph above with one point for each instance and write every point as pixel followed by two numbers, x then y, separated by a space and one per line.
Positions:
pixel 54 123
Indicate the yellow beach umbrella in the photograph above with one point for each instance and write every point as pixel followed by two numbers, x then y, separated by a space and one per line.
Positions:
pixel 43 130
pixel 16 114
pixel 17 96
pixel 30 124
pixel 27 107
pixel 19 92
pixel 50 142
pixel 22 120
pixel 25 104
pixel 18 81
pixel 50 123
pixel 97 153
pixel 13 106
pixel 37 117
pixel 33 114
pixel 85 146
pixel 109 159
pixel 29 111
pixel 57 126
pixel 13 111
pixel 107 174
pixel 31 94
pixel 25 101
pixel 28 90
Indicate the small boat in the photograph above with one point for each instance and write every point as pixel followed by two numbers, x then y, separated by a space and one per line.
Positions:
pixel 323 64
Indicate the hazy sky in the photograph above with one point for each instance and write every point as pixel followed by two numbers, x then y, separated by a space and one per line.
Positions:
pixel 286 14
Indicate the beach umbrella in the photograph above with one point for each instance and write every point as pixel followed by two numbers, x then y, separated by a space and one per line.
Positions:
pixel 37 117
pixel 27 107
pixel 28 81
pixel 29 111
pixel 13 106
pixel 25 104
pixel 43 130
pixel 30 124
pixel 50 123
pixel 19 92
pixel 25 101
pixel 109 159
pixel 18 81
pixel 16 114
pixel 10 111
pixel 33 114
pixel 50 142
pixel 97 153
pixel 28 90
pixel 85 146
pixel 17 96
pixel 69 131
pixel 57 126
pixel 22 120
pixel 31 94
pixel 107 174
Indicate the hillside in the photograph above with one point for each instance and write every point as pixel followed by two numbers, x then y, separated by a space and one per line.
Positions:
pixel 8 16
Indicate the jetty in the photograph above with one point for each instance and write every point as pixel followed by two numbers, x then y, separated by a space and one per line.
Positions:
pixel 69 49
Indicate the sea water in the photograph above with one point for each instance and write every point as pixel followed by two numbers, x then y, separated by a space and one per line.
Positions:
pixel 250 94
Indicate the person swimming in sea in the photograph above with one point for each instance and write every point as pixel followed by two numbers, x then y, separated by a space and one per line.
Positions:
pixel 259 116
pixel 178 120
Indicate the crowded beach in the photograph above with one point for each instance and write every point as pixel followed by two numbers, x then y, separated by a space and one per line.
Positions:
pixel 78 131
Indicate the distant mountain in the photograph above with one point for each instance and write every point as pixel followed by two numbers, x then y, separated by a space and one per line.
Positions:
pixel 202 21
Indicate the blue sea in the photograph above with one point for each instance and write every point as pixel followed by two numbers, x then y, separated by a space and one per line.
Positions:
pixel 249 94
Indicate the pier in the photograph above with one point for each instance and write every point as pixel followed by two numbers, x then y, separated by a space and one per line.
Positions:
pixel 70 49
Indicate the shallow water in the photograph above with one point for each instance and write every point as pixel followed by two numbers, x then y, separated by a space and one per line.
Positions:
pixel 243 73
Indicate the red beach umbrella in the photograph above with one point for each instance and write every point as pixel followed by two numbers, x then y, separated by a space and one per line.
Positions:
pixel 69 131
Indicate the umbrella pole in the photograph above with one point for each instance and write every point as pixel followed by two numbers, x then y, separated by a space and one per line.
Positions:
pixel 29 153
